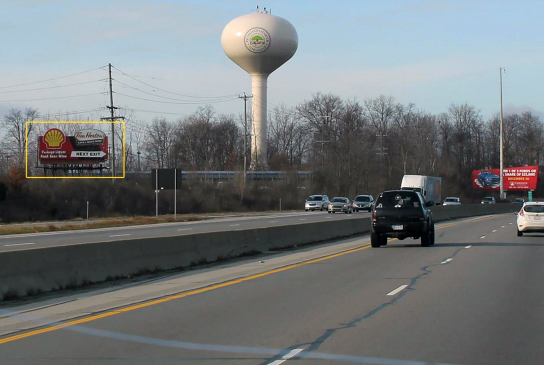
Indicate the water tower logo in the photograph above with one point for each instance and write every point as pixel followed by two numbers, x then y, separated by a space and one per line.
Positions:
pixel 257 40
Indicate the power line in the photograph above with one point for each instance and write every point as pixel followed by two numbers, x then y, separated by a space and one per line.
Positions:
pixel 155 112
pixel 55 78
pixel 165 97
pixel 170 102
pixel 170 92
pixel 57 97
pixel 50 87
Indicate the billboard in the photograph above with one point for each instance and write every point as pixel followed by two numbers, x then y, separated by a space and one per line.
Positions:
pixel 515 178
pixel 86 146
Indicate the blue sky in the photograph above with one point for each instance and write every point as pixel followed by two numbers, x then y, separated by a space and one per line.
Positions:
pixel 431 53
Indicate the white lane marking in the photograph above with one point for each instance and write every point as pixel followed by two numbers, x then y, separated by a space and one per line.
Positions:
pixel 482 237
pixel 286 357
pixel 446 261
pixel 509 223
pixel 185 229
pixel 273 221
pixel 234 225
pixel 469 246
pixel 502 226
pixel 494 230
pixel 329 217
pixel 397 290
pixel 19 244
pixel 121 235
pixel 302 219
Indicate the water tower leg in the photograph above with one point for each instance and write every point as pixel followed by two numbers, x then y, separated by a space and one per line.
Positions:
pixel 258 123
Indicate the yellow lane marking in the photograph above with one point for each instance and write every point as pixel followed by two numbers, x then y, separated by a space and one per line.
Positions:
pixel 201 290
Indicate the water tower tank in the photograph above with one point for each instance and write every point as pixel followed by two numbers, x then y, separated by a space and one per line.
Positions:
pixel 259 43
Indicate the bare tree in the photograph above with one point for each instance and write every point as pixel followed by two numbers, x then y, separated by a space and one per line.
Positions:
pixel 15 123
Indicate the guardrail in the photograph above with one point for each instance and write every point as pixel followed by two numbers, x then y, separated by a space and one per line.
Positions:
pixel 31 272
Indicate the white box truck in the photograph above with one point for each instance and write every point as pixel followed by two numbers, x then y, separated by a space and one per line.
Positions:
pixel 429 186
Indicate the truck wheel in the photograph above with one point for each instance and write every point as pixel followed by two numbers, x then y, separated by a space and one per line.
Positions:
pixel 426 238
pixel 374 240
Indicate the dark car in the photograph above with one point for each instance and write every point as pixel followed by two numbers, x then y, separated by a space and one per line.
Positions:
pixel 362 202
pixel 488 179
pixel 401 214
pixel 488 200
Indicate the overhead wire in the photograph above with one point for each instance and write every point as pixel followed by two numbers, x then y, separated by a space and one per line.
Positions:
pixel 170 92
pixel 52 98
pixel 166 97
pixel 171 102
pixel 52 79
pixel 50 87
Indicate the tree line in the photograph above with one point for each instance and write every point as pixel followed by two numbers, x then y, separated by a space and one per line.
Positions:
pixel 351 147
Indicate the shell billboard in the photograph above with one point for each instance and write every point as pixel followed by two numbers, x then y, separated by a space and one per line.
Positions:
pixel 87 146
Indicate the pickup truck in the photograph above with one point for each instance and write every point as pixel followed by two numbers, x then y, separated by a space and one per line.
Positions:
pixel 401 214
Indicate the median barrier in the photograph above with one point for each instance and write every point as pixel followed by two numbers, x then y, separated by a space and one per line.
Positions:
pixel 447 212
pixel 34 271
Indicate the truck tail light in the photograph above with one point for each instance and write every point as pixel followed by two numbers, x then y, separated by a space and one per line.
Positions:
pixel 374 218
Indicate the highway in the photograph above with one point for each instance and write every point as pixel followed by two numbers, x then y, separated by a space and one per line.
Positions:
pixel 474 298
pixel 19 242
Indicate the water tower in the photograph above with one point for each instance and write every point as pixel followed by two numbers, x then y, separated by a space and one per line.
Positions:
pixel 259 43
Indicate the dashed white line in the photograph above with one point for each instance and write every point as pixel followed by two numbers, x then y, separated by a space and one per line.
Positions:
pixel 286 357
pixel 446 261
pixel 121 235
pixel 502 226
pixel 509 223
pixel 494 230
pixel 302 219
pixel 482 237
pixel 273 221
pixel 397 290
pixel 185 229
pixel 20 244
pixel 234 225
pixel 469 246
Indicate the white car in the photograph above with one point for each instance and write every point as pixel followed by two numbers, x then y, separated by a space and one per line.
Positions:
pixel 316 202
pixel 530 218
pixel 452 200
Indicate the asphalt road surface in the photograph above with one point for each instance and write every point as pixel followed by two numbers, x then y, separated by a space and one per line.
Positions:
pixel 18 242
pixel 476 297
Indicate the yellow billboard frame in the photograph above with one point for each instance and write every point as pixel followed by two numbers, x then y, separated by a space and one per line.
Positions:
pixel 123 142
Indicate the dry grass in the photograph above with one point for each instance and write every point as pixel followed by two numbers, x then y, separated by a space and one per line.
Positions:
pixel 106 223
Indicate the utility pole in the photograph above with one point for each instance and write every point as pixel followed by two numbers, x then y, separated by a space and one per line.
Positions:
pixel 322 141
pixel 382 153
pixel 112 118
pixel 245 97
pixel 501 70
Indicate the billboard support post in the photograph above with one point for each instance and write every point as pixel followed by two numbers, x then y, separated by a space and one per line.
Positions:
pixel 501 174
pixel 87 210
pixel 175 192
pixel 156 193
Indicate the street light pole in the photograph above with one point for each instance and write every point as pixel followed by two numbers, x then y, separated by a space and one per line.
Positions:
pixel 501 70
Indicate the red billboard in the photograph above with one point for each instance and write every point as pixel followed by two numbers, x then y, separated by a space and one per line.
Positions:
pixel 515 178
pixel 87 146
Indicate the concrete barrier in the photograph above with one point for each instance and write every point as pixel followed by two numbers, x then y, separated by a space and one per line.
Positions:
pixel 34 271
pixel 442 213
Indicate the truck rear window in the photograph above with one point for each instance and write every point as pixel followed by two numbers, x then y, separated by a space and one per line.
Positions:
pixel 398 200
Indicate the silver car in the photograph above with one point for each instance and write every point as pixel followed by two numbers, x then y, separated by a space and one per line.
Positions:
pixel 362 202
pixel 452 200
pixel 316 202
pixel 339 204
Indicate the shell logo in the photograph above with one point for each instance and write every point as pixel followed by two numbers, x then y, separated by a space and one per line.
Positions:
pixel 54 138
